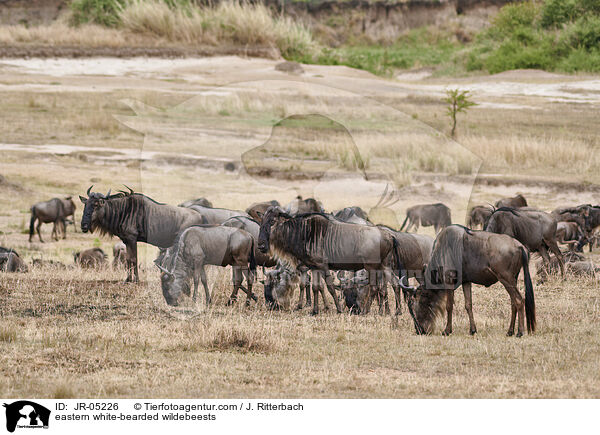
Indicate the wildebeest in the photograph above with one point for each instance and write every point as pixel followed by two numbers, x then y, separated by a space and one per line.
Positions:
pixel 355 215
pixel 323 244
pixel 427 215
pixel 92 258
pixel 568 233
pixel 592 221
pixel 570 214
pixel 463 257
pixel 300 206
pixel 119 255
pixel 56 211
pixel 133 218
pixel 514 202
pixel 478 215
pixel 198 246
pixel 533 228
pixel 253 227
pixel 258 209
pixel 11 261
pixel 279 284
pixel 575 265
pixel 202 202
pixel 216 216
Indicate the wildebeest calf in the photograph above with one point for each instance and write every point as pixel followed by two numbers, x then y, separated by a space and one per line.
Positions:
pixel 90 258
pixel 438 215
pixel 11 261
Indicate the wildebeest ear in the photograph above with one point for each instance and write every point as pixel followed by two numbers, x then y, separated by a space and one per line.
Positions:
pixel 84 200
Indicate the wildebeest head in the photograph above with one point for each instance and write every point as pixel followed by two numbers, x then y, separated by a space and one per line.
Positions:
pixel 272 216
pixel 278 288
pixel 95 201
pixel 173 286
pixel 355 290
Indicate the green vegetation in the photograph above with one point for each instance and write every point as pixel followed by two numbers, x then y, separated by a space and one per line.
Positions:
pixel 458 102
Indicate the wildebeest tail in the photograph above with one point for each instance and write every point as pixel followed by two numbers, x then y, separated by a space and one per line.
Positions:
pixel 529 298
pixel 252 261
pixel 31 222
pixel 404 223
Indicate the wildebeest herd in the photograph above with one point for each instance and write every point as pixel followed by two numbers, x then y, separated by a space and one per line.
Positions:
pixel 344 252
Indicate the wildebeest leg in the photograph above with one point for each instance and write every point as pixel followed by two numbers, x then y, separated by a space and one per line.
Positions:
pixel 554 248
pixel 306 278
pixel 38 230
pixel 544 253
pixel 449 307
pixel 316 284
pixel 236 278
pixel 249 280
pixel 202 274
pixel 329 284
pixel 469 307
pixel 517 305
pixel 132 270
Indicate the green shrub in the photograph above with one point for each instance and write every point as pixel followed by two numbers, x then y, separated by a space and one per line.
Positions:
pixel 513 16
pixel 104 12
pixel 557 12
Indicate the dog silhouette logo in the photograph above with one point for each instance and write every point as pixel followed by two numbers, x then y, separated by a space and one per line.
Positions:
pixel 26 414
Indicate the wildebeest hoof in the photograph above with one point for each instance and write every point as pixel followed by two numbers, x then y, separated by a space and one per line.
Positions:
pixel 510 333
pixel 446 333
pixel 519 334
pixel 299 307
pixel 314 313
pixel 473 331
pixel 230 302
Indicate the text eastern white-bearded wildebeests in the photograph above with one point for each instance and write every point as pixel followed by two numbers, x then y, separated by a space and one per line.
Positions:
pixel 323 244
pixel 216 216
pixel 463 257
pixel 514 202
pixel 478 215
pixel 11 261
pixel 198 246
pixel 533 228
pixel 202 202
pixel 427 215
pixel 56 211
pixel 133 218
pixel 258 209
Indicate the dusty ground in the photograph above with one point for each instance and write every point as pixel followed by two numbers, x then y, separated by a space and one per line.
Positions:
pixel 169 127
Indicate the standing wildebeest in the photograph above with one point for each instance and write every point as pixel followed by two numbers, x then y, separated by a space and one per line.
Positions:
pixel 216 216
pixel 11 261
pixel 258 209
pixel 300 206
pixel 198 246
pixel 93 258
pixel 427 215
pixel 463 257
pixel 515 202
pixel 202 202
pixel 533 228
pixel 323 244
pixel 568 233
pixel 119 255
pixel 133 218
pixel 478 215
pixel 252 227
pixel 570 214
pixel 591 215
pixel 56 211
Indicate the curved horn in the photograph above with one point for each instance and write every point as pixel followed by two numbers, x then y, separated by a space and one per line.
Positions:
pixel 130 189
pixel 108 194
pixel 162 269
pixel 89 190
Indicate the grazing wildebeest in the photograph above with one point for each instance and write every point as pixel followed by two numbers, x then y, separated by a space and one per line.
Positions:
pixel 478 215
pixel 258 209
pixel 568 233
pixel 92 258
pixel 133 218
pixel 202 202
pixel 463 257
pixel 354 215
pixel 323 244
pixel 198 246
pixel 56 211
pixel 216 216
pixel 11 261
pixel 279 284
pixel 300 206
pixel 119 255
pixel 427 215
pixel 533 228
pixel 575 265
pixel 515 202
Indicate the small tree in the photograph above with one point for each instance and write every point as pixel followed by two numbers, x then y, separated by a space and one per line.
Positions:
pixel 458 101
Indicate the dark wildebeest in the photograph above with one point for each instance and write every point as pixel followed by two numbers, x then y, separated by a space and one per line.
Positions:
pixel 533 228
pixel 253 227
pixel 258 209
pixel 202 202
pixel 133 218
pixel 119 255
pixel 11 261
pixel 478 215
pixel 93 258
pixel 570 214
pixel 568 233
pixel 198 246
pixel 300 206
pixel 463 257
pixel 322 244
pixel 216 216
pixel 592 222
pixel 427 215
pixel 56 211
pixel 515 202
